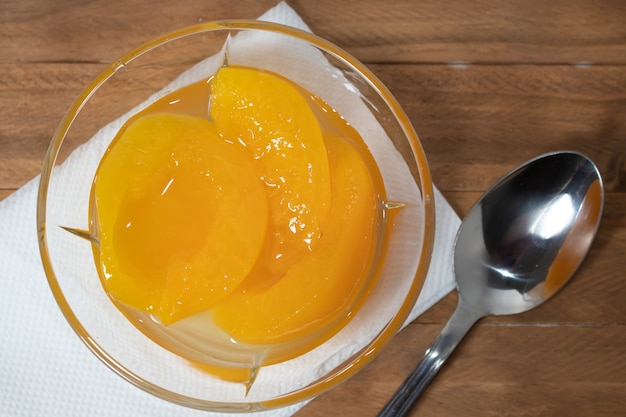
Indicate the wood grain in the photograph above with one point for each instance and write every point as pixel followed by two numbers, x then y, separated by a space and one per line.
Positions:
pixel 457 112
pixel 497 371
pixel 516 112
pixel 487 31
pixel 487 84
pixel 480 32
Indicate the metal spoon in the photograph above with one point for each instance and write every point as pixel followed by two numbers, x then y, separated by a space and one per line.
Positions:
pixel 516 248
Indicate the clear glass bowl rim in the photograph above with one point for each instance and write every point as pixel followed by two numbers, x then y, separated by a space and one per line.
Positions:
pixel 350 366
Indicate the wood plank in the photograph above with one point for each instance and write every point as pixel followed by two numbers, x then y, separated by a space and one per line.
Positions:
pixel 34 99
pixel 475 123
pixel 484 31
pixel 5 193
pixel 67 31
pixel 478 122
pixel 552 371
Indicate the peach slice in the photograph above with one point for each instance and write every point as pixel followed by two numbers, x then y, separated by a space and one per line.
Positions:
pixel 319 289
pixel 273 121
pixel 181 216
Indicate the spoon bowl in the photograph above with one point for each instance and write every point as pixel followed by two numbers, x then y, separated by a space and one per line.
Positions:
pixel 527 235
pixel 518 245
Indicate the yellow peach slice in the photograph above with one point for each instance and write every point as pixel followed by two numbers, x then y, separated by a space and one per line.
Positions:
pixel 273 121
pixel 180 216
pixel 318 290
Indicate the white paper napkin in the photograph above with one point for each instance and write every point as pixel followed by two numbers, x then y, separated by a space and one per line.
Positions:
pixel 44 368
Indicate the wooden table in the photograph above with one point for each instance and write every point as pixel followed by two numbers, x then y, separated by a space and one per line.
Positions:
pixel 487 84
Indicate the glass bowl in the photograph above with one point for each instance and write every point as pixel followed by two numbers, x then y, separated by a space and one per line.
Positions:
pixel 165 65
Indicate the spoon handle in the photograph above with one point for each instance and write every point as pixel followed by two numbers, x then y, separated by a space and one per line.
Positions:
pixel 457 326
